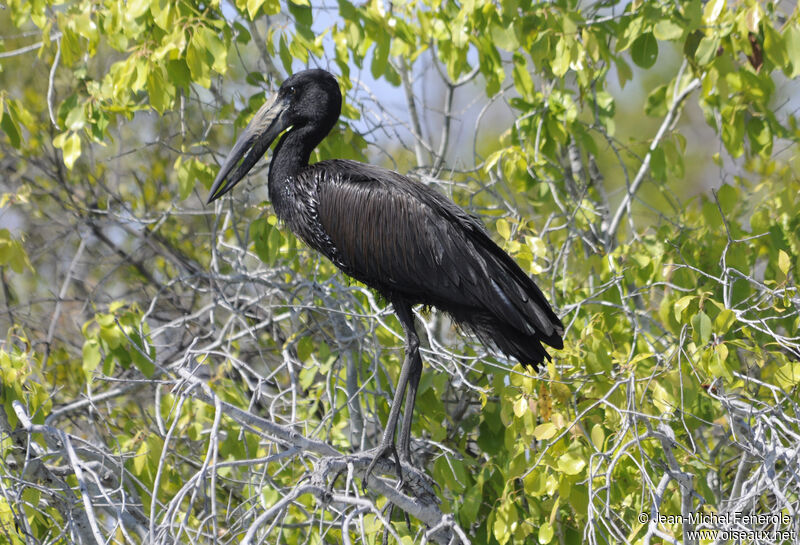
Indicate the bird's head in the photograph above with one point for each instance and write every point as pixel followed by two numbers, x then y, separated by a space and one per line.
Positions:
pixel 310 98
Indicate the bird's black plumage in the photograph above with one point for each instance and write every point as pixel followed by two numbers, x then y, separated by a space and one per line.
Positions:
pixel 409 242
pixel 400 237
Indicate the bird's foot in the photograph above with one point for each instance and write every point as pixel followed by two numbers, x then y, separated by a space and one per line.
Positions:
pixel 379 452
pixel 405 456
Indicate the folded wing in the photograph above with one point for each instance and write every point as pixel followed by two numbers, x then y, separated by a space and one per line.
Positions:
pixel 409 242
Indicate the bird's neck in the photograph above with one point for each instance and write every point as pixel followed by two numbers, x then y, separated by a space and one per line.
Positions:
pixel 291 156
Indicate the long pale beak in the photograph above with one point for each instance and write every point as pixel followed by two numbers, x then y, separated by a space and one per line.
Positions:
pixel 253 143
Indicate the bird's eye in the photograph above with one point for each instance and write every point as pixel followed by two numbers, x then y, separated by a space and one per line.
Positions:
pixel 292 90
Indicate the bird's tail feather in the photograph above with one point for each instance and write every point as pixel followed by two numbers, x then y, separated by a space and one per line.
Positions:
pixel 517 309
pixel 525 348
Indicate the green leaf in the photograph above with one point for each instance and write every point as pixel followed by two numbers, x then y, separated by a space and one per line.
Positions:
pixel 760 136
pixel 141 70
pixel 784 263
pixel 663 400
pixel 252 8
pixel 141 459
pixel 624 73
pixel 545 431
pixel 472 502
pixel 308 376
pixel 9 125
pixel 644 50
pixel 658 165
pixel 285 54
pixel 162 11
pixel 12 253
pixel 667 29
pixel 753 18
pixel 656 105
pixel 701 324
pixel 788 376
pixel 546 533
pixel 505 518
pixel 791 37
pixel 91 355
pixel 275 242
pixel 718 365
pixel 196 60
pixel 571 464
pixel 301 12
pixel 673 156
pixel 216 49
pixel 561 59
pixel 724 321
pixel 503 229
pixel 520 407
pixel 775 48
pixel 712 11
pixel 76 118
pixel 260 230
pixel 185 184
pixel 681 305
pixel 522 78
pixel 136 8
pixel 158 89
pixel 728 197
pixel 537 246
pixel 598 436
pixel 304 345
pixel 504 37
pixel 70 145
pixel 179 73
pixel 706 50
pixel 733 130
pixel 242 34
pixel 630 33
pixel 112 335
pixel 142 362
pixel 380 58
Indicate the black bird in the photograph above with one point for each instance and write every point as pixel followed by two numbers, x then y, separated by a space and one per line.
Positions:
pixel 399 237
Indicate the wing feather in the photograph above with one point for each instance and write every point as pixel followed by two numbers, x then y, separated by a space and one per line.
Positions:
pixel 406 240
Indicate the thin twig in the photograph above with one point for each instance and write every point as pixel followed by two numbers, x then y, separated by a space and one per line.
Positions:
pixel 611 232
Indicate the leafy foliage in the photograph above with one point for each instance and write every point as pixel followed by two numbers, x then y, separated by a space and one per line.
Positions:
pixel 176 373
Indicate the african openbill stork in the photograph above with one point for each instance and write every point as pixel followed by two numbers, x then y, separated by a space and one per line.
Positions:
pixel 399 237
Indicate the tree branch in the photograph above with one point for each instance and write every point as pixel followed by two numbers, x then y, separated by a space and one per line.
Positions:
pixel 611 232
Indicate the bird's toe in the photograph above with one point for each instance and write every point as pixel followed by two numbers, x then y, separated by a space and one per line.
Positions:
pixel 378 453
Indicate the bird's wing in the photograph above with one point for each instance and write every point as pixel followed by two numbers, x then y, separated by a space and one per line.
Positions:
pixel 407 240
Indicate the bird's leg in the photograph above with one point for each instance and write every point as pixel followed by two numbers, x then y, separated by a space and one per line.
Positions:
pixel 387 440
pixel 415 372
pixel 408 410
pixel 387 444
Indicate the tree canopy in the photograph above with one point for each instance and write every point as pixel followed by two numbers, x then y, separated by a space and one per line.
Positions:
pixel 173 372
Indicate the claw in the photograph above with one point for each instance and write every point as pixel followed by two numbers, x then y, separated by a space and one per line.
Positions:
pixel 381 451
pixel 329 487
